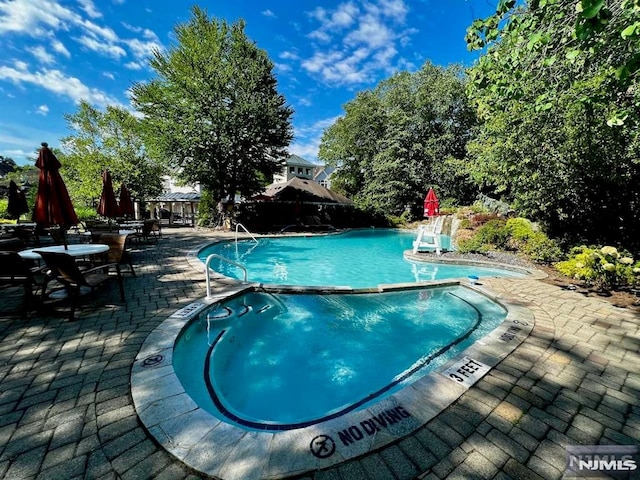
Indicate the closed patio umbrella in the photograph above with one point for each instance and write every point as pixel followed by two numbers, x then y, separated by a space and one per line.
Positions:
pixel 17 201
pixel 53 205
pixel 431 204
pixel 108 207
pixel 126 204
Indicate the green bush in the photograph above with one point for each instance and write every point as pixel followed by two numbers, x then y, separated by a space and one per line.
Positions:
pixel 541 249
pixel 465 223
pixel 492 234
pixel 604 268
pixel 85 213
pixel 523 237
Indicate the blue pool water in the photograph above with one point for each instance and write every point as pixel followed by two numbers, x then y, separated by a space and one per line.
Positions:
pixel 283 361
pixel 359 259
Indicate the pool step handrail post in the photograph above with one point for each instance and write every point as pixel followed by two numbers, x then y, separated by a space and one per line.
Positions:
pixel 207 270
pixel 238 225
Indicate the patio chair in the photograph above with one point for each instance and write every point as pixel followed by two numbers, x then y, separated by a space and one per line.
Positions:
pixel 150 231
pixel 79 282
pixel 117 252
pixel 15 270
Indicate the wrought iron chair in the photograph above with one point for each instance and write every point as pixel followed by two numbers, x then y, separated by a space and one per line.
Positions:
pixel 79 282
pixel 15 270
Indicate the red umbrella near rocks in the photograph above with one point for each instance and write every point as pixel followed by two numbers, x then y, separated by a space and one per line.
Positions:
pixel 431 204
pixel 108 206
pixel 53 205
pixel 126 204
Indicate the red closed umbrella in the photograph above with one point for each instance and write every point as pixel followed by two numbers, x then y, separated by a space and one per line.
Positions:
pixel 431 204
pixel 53 205
pixel 126 204
pixel 108 207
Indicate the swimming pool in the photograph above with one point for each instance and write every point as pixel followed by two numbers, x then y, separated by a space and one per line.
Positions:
pixel 246 345
pixel 358 259
pixel 304 359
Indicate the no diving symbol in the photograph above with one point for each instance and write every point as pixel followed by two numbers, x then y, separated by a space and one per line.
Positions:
pixel 322 446
pixel 152 360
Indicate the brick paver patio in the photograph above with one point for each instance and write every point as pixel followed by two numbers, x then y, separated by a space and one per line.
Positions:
pixel 66 410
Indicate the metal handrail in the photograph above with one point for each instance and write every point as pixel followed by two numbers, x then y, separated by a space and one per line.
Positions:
pixel 238 225
pixel 208 270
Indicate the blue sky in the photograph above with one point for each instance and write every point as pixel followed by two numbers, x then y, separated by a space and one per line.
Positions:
pixel 58 52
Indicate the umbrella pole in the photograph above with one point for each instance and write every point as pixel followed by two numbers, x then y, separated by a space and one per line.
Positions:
pixel 63 234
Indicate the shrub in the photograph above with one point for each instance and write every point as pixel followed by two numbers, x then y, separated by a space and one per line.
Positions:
pixel 4 203
pixel 604 268
pixel 533 243
pixel 85 213
pixel 491 234
pixel 541 249
pixel 481 218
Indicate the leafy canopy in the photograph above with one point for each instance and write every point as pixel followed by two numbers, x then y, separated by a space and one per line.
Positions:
pixel 214 111
pixel 112 140
pixel 559 136
pixel 398 139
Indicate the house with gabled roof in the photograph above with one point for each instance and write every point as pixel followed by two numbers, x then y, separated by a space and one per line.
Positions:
pixel 296 166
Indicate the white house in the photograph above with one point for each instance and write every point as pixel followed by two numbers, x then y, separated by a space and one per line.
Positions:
pixel 296 167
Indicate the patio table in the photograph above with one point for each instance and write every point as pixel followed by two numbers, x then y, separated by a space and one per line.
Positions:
pixel 75 250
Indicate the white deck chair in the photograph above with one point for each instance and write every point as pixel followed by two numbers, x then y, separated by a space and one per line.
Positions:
pixel 428 237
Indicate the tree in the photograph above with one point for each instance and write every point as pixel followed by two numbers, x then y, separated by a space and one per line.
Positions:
pixel 7 165
pixel 557 94
pixel 213 111
pixel 407 134
pixel 112 140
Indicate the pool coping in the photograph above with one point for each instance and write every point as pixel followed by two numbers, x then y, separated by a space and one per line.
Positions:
pixel 212 446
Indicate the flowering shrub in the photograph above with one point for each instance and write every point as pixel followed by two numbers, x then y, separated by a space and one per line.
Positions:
pixel 604 268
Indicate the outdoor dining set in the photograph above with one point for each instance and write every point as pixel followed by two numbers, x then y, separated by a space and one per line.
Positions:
pixel 57 258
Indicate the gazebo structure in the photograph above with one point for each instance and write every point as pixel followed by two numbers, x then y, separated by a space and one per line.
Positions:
pixel 182 207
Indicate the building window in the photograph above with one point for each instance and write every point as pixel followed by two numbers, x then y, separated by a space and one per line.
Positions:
pixel 300 170
pixel 292 169
pixel 308 170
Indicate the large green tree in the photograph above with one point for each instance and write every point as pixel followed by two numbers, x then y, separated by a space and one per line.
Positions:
pixel 109 139
pixel 557 93
pixel 398 139
pixel 214 111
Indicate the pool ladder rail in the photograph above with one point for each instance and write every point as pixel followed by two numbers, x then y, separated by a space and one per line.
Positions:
pixel 207 270
pixel 238 226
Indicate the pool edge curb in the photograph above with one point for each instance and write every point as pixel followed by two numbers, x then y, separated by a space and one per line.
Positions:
pixel 181 428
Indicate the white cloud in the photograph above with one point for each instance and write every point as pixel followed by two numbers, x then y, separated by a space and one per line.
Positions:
pixel 42 19
pixel 43 110
pixel 141 49
pixel 307 138
pixel 134 65
pixel 289 56
pixel 363 36
pixel 57 82
pixel 32 18
pixel 109 75
pixel 60 48
pixel 107 49
pixel 89 8
pixel 269 13
pixel 41 54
